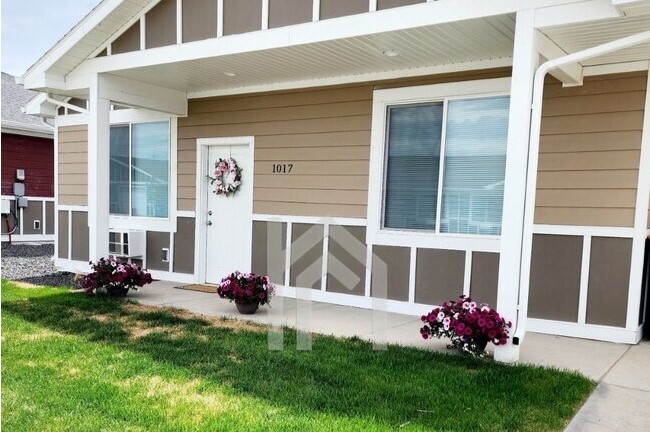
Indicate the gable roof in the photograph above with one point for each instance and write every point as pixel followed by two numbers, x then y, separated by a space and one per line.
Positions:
pixel 14 120
pixel 84 39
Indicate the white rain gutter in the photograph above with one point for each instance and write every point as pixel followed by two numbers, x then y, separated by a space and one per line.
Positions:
pixel 533 158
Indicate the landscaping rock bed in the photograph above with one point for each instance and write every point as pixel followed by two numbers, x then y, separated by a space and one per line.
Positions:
pixel 32 263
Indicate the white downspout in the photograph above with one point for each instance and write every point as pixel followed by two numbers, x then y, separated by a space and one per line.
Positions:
pixel 533 157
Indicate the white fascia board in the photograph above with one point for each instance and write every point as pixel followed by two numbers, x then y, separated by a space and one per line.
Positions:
pixel 40 106
pixel 142 95
pixel 39 69
pixel 43 81
pixel 425 14
pixel 575 13
pixel 26 131
pixel 569 75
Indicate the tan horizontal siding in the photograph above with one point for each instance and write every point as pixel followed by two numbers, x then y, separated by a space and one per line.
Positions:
pixel 584 216
pixel 347 182
pixel 73 165
pixel 308 209
pixel 591 141
pixel 589 151
pixel 603 179
pixel 323 132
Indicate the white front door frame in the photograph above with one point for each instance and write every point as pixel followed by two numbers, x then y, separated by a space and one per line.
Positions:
pixel 202 145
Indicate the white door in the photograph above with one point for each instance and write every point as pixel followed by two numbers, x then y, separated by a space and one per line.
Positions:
pixel 229 219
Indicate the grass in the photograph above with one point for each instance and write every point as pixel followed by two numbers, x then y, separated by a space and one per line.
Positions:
pixel 71 363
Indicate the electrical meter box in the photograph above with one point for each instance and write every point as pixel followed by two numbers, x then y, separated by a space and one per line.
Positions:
pixel 19 189
pixel 6 206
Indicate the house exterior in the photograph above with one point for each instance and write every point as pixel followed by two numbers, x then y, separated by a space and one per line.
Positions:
pixel 395 153
pixel 28 145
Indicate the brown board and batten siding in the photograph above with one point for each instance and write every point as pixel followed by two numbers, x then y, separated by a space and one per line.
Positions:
pixel 589 151
pixel 128 41
pixel 199 20
pixel 160 25
pixel 323 132
pixel 73 165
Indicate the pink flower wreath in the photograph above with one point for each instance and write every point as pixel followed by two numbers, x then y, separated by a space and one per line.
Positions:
pixel 227 177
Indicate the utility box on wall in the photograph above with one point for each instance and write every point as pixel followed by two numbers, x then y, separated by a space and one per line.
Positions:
pixel 6 206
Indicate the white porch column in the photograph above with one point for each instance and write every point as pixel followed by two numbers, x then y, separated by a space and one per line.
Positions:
pixel 525 63
pixel 98 169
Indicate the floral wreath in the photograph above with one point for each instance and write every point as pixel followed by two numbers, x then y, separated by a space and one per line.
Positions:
pixel 227 177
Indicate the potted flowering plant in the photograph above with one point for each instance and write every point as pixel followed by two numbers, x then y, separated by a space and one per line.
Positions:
pixel 247 290
pixel 116 277
pixel 468 325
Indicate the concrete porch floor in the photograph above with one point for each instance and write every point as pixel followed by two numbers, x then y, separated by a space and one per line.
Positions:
pixel 621 402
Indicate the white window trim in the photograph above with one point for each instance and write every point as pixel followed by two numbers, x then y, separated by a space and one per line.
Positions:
pixel 168 224
pixel 382 99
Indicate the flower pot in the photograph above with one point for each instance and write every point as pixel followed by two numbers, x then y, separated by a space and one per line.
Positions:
pixel 247 308
pixel 482 343
pixel 117 291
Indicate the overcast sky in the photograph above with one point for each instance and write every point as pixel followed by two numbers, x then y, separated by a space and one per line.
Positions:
pixel 31 27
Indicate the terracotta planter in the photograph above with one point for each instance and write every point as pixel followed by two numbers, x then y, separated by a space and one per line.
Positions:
pixel 117 291
pixel 247 308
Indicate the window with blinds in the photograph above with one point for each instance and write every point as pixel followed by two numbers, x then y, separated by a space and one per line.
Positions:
pixel 445 166
pixel 139 170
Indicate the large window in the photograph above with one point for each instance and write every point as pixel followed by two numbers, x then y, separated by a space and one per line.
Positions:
pixel 445 165
pixel 139 170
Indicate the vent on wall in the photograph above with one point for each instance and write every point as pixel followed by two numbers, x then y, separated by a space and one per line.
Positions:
pixel 126 244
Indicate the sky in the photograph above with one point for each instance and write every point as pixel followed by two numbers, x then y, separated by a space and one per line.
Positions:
pixel 31 27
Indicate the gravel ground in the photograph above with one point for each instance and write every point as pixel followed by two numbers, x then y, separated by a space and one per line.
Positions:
pixel 33 264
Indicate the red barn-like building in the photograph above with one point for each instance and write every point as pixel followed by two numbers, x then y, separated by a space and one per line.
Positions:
pixel 27 145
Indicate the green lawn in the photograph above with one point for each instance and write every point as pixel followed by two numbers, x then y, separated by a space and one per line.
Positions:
pixel 90 364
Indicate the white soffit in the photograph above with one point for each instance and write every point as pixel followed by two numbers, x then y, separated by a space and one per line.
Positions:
pixel 632 7
pixel 581 36
pixel 485 39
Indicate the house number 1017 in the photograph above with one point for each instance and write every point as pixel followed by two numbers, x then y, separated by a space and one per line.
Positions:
pixel 282 168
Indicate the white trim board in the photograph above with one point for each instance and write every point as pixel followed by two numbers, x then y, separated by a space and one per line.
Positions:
pixel 83 267
pixel 22 238
pixel 399 307
pixel 640 221
pixel 585 331
pixel 30 198
pixel 71 266
pixel 578 230
pixel 314 220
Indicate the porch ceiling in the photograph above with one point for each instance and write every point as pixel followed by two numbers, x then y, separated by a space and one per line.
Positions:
pixel 479 40
pixel 572 38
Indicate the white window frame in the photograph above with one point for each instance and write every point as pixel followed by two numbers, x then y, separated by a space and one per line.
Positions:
pixel 168 224
pixel 382 100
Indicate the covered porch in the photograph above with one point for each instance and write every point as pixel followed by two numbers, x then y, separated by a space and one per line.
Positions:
pixel 420 43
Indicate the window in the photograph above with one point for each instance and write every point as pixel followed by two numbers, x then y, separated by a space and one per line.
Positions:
pixel 445 165
pixel 139 170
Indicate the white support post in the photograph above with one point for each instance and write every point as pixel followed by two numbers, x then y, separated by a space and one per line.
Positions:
pixel 98 172
pixel 640 222
pixel 525 63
